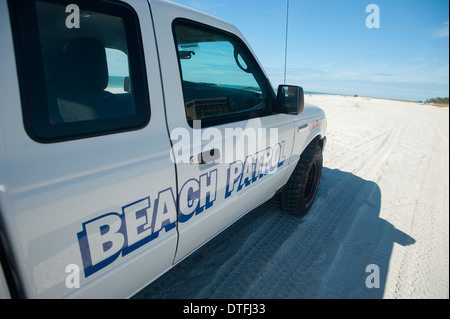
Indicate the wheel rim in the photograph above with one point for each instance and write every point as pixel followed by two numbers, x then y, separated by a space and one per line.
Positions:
pixel 311 183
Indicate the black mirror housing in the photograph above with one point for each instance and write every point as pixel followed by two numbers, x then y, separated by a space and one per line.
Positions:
pixel 290 99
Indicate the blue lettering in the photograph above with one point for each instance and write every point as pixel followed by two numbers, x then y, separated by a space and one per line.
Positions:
pixel 101 242
pixel 208 190
pixel 188 200
pixel 103 239
pixel 255 167
pixel 234 175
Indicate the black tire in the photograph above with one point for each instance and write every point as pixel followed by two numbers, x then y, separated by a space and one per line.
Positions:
pixel 300 191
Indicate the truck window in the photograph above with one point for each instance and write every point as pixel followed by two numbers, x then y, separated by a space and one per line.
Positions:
pixel 222 82
pixel 81 71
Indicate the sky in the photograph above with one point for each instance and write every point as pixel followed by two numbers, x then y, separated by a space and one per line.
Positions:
pixel 331 49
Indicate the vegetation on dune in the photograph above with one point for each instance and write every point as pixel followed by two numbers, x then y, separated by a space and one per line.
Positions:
pixel 439 101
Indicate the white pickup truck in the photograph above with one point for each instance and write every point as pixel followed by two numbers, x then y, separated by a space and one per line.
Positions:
pixel 131 133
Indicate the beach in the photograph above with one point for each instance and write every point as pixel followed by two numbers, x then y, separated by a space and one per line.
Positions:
pixel 379 227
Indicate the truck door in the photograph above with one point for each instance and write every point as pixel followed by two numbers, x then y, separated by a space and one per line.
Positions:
pixel 88 188
pixel 230 149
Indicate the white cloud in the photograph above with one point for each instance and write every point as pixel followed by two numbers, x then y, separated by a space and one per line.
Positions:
pixel 441 32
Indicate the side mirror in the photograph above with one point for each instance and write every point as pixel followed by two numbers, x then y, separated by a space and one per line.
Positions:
pixel 291 99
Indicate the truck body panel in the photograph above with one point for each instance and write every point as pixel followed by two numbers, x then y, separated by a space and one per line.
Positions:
pixel 122 208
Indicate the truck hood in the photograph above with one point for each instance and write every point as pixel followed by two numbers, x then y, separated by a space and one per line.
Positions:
pixel 312 112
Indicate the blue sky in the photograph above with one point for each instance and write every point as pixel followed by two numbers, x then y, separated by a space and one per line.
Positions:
pixel 330 48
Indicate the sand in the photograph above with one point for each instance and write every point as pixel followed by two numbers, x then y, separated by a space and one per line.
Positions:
pixel 379 227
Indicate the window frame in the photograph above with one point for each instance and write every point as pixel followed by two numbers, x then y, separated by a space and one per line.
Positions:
pixel 31 74
pixel 243 115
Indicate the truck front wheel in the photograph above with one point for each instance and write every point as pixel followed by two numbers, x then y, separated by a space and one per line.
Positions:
pixel 300 191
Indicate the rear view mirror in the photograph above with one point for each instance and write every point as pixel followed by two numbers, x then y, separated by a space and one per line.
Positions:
pixel 126 84
pixel 290 99
pixel 185 55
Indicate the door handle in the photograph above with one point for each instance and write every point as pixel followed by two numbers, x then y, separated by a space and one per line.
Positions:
pixel 208 156
pixel 301 127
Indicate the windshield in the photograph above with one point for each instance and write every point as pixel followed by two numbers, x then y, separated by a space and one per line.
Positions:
pixel 216 63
